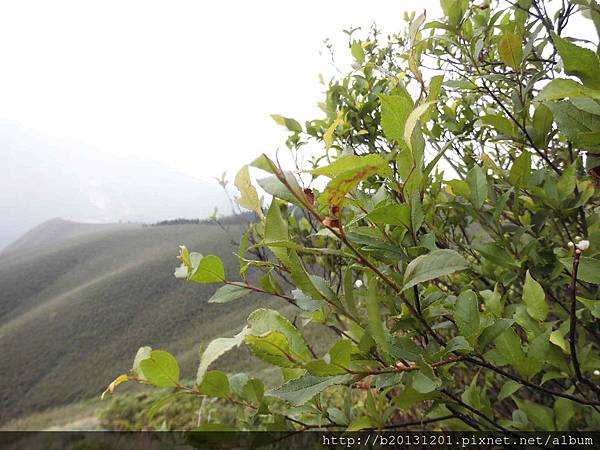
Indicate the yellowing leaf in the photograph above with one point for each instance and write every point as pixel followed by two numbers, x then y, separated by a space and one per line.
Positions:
pixel 249 197
pixel 328 135
pixel 117 381
pixel 360 168
pixel 412 121
pixel 511 50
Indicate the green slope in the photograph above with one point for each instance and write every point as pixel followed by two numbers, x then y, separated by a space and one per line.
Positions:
pixel 73 312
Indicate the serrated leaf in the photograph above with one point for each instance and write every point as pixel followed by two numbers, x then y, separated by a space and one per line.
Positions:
pixel 433 265
pixel 578 61
pixel 263 321
pixel 299 391
pixel 215 349
pixel 228 293
pixel 272 348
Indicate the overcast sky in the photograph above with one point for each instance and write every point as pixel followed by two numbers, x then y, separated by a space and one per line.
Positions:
pixel 190 84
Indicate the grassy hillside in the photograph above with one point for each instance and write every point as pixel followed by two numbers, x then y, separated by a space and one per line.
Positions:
pixel 73 312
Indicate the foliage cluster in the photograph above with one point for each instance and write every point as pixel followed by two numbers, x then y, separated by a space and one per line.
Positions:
pixel 454 249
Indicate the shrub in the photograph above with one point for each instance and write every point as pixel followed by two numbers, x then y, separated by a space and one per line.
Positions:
pixel 454 248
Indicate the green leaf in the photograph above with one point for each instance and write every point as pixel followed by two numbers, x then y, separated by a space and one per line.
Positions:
pixel 520 172
pixel 210 269
pixel 273 348
pixel 273 185
pixel 541 416
pixel 253 390
pixel 290 124
pixel 589 268
pixel 509 346
pixel 391 215
pixel 350 163
pixel 276 230
pixel 358 52
pixel 557 338
pixel 215 349
pixel 301 278
pixel 394 112
pixel 576 124
pixel 412 120
pixel 542 124
pixel 478 187
pixel 537 353
pixel 466 314
pixel 490 333
pixel 425 380
pixel 375 323
pixel 161 369
pixel 501 124
pixel 567 182
pixel 562 88
pixel 228 293
pixel 263 321
pixel 299 391
pixel 361 423
pixel 214 384
pixel 563 413
pixel 511 50
pixel 321 368
pixel 508 389
pixel 340 353
pixel 535 298
pixel 578 61
pixel 263 162
pixel 433 265
pixel 249 197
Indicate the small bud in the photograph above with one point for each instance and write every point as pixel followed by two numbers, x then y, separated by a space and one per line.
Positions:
pixel 583 245
pixel 577 238
pixel 570 244
pixel 358 284
pixel 596 373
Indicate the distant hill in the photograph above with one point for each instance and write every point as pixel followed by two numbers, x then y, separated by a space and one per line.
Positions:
pixel 77 300
pixel 42 178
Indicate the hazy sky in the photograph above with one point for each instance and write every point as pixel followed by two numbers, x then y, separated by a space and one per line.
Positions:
pixel 188 83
